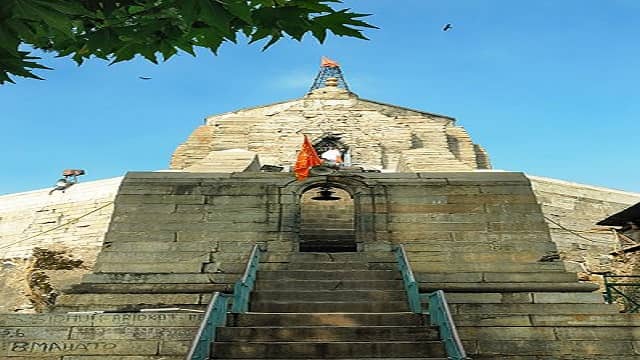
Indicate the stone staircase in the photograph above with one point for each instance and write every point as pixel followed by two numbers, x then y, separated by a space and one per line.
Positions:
pixel 328 306
pixel 534 315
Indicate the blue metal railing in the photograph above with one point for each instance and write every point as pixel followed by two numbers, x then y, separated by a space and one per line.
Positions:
pixel 410 284
pixel 623 289
pixel 216 313
pixel 439 313
pixel 242 288
pixel 441 317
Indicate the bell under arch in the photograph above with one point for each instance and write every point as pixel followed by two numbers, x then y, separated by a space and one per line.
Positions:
pixel 327 220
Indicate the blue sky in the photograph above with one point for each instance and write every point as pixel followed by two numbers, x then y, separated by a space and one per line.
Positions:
pixel 547 87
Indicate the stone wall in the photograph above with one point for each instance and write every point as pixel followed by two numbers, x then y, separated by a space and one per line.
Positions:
pixel 380 136
pixel 65 229
pixel 572 211
pixel 176 236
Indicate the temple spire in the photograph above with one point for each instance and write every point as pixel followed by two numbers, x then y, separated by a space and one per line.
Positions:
pixel 329 69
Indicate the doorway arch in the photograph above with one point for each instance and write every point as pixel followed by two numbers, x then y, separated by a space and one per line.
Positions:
pixel 327 220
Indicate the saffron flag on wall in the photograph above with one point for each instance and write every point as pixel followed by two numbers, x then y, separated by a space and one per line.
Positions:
pixel 307 158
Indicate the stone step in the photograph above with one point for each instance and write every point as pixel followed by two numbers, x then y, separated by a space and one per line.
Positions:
pixel 326 334
pixel 159 267
pixel 339 245
pixel 477 256
pixel 159 246
pixel 319 257
pixel 423 248
pixel 329 275
pixel 324 350
pixel 555 349
pixel 506 266
pixel 509 287
pixel 325 232
pixel 90 288
pixel 551 320
pixel 327 266
pixel 549 333
pixel 496 277
pixel 334 295
pixel 136 319
pixel 174 256
pixel 160 278
pixel 130 299
pixel 254 319
pixel 533 309
pixel 586 320
pixel 60 309
pixel 276 266
pixel 525 297
pixel 329 285
pixel 328 306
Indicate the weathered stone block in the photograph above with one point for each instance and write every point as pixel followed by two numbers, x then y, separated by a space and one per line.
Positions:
pixel 124 299
pixel 174 347
pixel 568 298
pixel 172 257
pixel 160 199
pixel 41 320
pixel 554 348
pixel 142 235
pixel 507 333
pixel 77 347
pixel 133 333
pixel 13 333
pixel 163 319
pixel 123 267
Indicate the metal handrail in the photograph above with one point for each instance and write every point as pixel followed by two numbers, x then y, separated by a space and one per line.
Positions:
pixel 242 288
pixel 439 312
pixel 216 315
pixel 631 303
pixel 410 284
pixel 441 317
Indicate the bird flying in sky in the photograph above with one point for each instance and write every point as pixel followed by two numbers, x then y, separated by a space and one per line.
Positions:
pixel 447 27
pixel 144 78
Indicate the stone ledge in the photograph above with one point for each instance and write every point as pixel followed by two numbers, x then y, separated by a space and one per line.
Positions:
pixel 508 287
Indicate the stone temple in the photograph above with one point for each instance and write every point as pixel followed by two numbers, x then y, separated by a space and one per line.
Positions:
pixel 122 268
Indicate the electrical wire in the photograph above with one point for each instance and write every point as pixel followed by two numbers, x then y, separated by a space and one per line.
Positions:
pixel 57 227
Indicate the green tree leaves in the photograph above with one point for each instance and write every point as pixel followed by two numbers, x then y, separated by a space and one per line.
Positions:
pixel 119 30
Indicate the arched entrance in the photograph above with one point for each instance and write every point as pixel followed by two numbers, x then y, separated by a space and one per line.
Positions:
pixel 327 220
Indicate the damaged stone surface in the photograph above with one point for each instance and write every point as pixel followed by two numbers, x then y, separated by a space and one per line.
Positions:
pixel 380 136
pixel 72 223
pixel 571 211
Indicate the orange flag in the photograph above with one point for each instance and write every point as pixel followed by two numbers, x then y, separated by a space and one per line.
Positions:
pixel 307 158
pixel 326 62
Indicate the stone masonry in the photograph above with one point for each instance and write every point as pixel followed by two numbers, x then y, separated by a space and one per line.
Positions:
pixel 571 211
pixel 72 222
pixel 381 136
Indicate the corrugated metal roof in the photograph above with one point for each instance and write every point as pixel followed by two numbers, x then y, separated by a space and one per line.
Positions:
pixel 623 217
